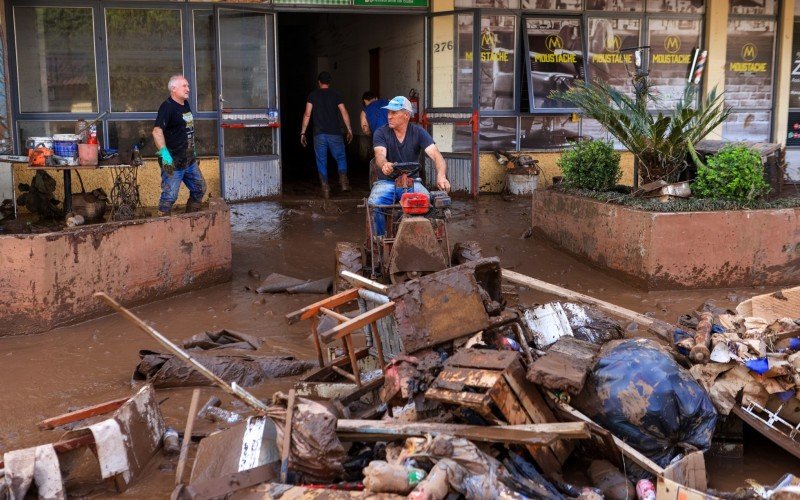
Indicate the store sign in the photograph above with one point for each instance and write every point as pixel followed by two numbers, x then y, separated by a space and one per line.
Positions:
pixel 391 3
pixel 794 85
pixel 793 132
pixel 748 62
pixel 613 44
pixel 489 49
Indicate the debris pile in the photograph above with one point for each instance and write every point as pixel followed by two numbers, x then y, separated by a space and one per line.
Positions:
pixel 436 388
pixel 748 361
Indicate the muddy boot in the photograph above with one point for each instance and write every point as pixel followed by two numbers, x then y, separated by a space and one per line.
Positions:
pixel 163 214
pixel 326 189
pixel 193 206
pixel 344 182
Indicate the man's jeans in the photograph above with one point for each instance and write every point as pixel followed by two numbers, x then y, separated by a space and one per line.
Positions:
pixel 335 144
pixel 171 184
pixel 386 193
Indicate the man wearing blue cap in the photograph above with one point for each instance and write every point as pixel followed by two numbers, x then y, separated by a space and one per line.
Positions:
pixel 400 141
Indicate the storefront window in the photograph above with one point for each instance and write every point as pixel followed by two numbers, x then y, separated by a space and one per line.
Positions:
pixel 144 50
pixel 748 71
pixel 498 133
pixel 546 132
pixel 753 7
pixel 556 59
pixel 676 6
pixel 243 38
pixel 251 141
pixel 560 5
pixel 30 128
pixel 487 4
pixel 671 44
pixel 751 126
pixel 452 138
pixel 608 62
pixel 55 59
pixel 205 68
pixel 451 61
pixel 615 5
pixel 498 41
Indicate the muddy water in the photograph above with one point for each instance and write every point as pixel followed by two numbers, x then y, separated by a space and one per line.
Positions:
pixel 81 365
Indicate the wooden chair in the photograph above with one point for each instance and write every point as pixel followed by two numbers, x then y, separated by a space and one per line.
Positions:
pixel 344 330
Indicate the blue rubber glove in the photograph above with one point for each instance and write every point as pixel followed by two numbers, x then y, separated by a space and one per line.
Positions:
pixel 166 160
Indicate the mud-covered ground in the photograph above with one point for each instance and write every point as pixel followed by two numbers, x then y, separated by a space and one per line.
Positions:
pixel 85 364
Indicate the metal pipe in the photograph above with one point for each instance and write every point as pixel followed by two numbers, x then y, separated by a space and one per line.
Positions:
pixel 233 389
pixel 371 296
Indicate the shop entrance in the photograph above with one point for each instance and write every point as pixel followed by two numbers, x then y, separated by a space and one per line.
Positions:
pixel 378 52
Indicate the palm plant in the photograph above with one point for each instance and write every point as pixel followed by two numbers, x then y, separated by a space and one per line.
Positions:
pixel 660 142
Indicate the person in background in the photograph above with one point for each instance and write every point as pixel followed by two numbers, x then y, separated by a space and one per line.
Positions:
pixel 174 138
pixel 374 115
pixel 401 141
pixel 326 105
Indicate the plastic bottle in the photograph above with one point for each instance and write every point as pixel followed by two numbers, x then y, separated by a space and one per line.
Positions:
pixel 645 490
pixel 92 139
pixel 136 157
pixel 80 130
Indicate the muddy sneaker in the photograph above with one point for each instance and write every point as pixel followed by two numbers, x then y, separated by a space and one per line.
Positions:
pixel 344 182
pixel 162 214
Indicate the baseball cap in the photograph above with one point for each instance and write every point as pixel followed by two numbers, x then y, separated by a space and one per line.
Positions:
pixel 398 103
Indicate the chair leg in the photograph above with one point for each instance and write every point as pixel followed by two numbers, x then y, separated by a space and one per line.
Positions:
pixel 348 345
pixel 317 343
pixel 376 339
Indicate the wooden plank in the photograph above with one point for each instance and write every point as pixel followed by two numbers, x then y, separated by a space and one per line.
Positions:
pixel 313 309
pixel 287 436
pixel 223 486
pixel 608 307
pixel 83 413
pixel 358 322
pixel 187 436
pixel 480 358
pixel 333 314
pixel 474 401
pixel 768 432
pixel 543 434
pixel 512 410
pixel 565 365
pixel 348 376
pixel 633 454
pixel 322 373
pixel 484 379
pixel 535 405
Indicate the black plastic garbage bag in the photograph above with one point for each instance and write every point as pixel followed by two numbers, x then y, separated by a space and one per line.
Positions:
pixel 639 393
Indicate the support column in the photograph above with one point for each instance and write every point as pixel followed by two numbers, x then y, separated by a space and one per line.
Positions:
pixel 783 70
pixel 716 42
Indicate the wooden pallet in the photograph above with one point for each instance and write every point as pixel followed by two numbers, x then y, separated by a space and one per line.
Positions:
pixel 493 384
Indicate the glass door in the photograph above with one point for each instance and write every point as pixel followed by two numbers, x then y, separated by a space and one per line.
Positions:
pixel 249 119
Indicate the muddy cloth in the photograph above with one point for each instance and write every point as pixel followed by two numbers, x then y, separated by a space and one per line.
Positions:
pixel 316 454
pixel 223 339
pixel 638 392
pixel 247 370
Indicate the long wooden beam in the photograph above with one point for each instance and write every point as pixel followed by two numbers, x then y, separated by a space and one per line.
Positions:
pixel 535 434
pixel 359 321
pixel 83 413
pixel 659 328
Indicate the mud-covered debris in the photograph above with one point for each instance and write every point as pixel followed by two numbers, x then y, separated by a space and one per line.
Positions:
pixel 316 455
pixel 591 325
pixel 223 339
pixel 247 370
pixel 639 393
pixel 565 365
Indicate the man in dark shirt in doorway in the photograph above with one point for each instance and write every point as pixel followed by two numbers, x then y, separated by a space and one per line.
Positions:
pixel 327 105
pixel 174 137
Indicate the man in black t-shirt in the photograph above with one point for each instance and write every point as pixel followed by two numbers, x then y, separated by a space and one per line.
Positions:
pixel 174 137
pixel 327 106
pixel 398 142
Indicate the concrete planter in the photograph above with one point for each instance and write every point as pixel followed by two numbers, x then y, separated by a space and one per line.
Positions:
pixel 675 250
pixel 47 280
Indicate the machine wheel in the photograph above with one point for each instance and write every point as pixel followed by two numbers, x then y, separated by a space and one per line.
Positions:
pixel 348 258
pixel 466 251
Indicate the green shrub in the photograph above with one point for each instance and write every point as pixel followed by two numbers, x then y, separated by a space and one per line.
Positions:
pixel 734 173
pixel 590 165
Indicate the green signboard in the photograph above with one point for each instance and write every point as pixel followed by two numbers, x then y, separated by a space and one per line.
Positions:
pixel 391 3
pixel 311 2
